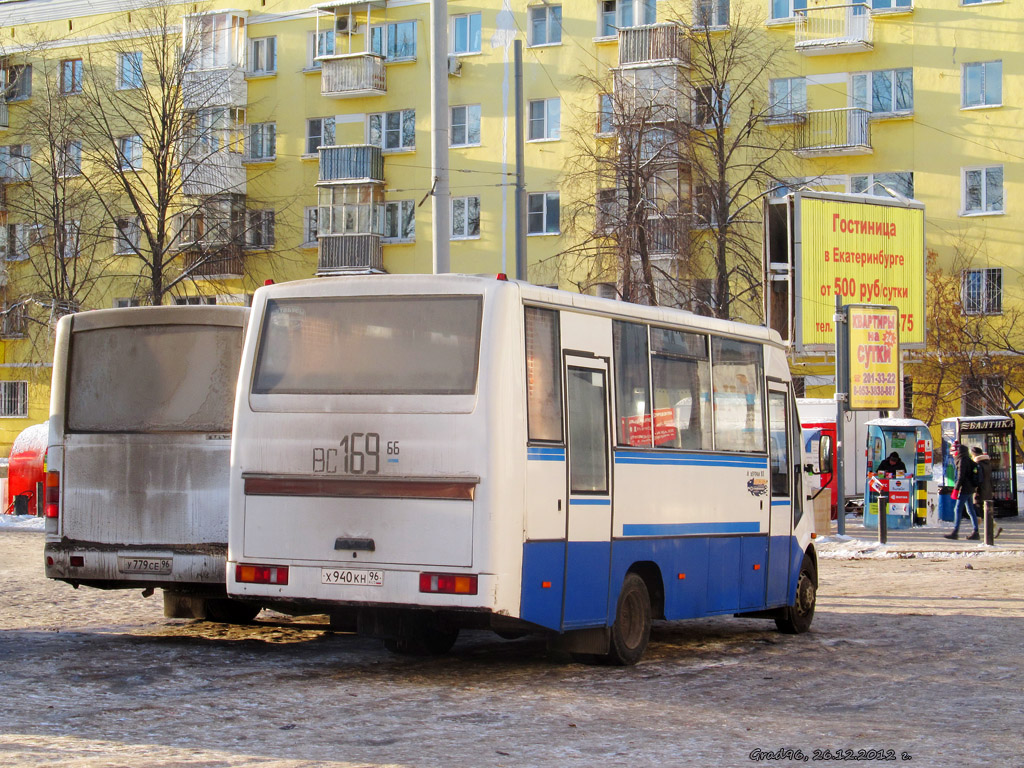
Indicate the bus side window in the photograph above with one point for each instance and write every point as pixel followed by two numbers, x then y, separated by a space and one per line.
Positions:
pixel 543 375
pixel 778 447
pixel 632 385
pixel 738 369
pixel 681 370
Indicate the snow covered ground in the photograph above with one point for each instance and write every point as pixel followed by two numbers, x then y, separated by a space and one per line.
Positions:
pixel 921 656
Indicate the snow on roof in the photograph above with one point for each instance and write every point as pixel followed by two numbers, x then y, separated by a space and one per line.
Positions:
pixel 906 423
pixel 32 438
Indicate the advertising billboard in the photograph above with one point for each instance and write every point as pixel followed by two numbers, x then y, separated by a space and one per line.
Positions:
pixel 864 251
pixel 873 357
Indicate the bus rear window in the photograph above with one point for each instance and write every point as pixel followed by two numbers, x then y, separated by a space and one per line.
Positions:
pixel 380 345
pixel 153 378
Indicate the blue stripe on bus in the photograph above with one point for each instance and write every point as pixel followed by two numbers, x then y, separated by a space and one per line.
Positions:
pixel 684 529
pixel 700 575
pixel 590 502
pixel 781 503
pixel 690 459
pixel 545 454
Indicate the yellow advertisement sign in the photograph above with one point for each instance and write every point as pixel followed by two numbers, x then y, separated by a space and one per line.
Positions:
pixel 865 252
pixel 874 358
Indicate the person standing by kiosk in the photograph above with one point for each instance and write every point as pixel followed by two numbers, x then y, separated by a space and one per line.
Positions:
pixel 983 496
pixel 963 490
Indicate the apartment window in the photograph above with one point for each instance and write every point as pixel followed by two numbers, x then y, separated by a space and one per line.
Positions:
pixel 983 84
pixel 656 143
pixel 614 15
pixel 129 70
pixel 17 242
pixel 263 55
pixel 881 5
pixel 787 9
pixel 350 209
pixel 711 107
pixel 17 82
pixel 14 399
pixel 885 91
pixel 465 217
pixel 395 42
pixel 787 99
pixel 393 130
pixel 983 190
pixel 605 114
pixel 321 43
pixel 259 229
pixel 310 224
pixel 127 235
pixel 542 214
pixel 880 183
pixel 704 208
pixel 400 221
pixel 70 158
pixel 466 125
pixel 129 153
pixel 124 303
pixel 982 395
pixel 195 300
pixel 982 291
pixel 214 41
pixel 546 25
pixel 711 13
pixel 262 141
pixel 545 119
pixel 319 133
pixel 71 76
pixel 466 33
pixel 218 129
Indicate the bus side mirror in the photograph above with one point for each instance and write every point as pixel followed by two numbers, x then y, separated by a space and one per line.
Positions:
pixel 824 457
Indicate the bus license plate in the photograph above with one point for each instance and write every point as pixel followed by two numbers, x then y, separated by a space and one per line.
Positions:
pixel 129 564
pixel 352 577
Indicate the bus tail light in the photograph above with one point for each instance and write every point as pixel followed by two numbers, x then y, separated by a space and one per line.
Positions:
pixel 261 574
pixel 51 495
pixel 449 584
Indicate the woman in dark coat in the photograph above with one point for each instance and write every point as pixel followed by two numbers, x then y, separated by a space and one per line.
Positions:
pixel 963 491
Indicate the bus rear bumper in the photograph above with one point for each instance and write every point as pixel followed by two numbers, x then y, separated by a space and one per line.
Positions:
pixel 112 567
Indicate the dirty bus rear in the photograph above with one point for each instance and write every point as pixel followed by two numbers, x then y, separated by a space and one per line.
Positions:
pixel 420 454
pixel 138 455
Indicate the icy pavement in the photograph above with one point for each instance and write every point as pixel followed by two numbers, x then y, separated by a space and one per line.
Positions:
pixel 919 656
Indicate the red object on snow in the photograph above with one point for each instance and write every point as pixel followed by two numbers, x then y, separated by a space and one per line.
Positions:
pixel 26 467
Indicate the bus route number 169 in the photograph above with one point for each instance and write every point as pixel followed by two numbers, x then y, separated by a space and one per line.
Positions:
pixel 356 454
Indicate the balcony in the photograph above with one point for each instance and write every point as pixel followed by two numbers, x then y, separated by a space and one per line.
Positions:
pixel 350 75
pixel 354 163
pixel 347 254
pixel 666 236
pixel 653 44
pixel 226 261
pixel 834 133
pixel 832 29
pixel 4 120
pixel 217 173
pixel 219 87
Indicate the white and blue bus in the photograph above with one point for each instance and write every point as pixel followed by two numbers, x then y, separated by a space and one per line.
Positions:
pixel 420 454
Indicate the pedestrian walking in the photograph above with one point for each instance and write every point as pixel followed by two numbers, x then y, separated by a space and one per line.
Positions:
pixel 983 495
pixel 963 491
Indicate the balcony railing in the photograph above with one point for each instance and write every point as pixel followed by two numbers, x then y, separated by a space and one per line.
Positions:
pixel 352 74
pixel 219 87
pixel 834 29
pixel 835 132
pixel 4 120
pixel 228 261
pixel 215 173
pixel 653 43
pixel 338 254
pixel 665 235
pixel 351 163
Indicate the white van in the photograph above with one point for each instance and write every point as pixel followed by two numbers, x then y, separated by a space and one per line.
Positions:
pixel 138 454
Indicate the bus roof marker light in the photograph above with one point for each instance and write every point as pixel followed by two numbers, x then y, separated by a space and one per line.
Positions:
pixel 502 276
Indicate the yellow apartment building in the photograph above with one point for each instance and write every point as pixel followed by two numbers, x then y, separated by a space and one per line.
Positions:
pixel 309 142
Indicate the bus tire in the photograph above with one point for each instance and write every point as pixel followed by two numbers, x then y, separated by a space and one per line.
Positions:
pixel 796 618
pixel 227 611
pixel 632 626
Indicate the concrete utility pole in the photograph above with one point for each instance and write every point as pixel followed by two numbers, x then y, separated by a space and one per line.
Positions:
pixel 520 206
pixel 441 204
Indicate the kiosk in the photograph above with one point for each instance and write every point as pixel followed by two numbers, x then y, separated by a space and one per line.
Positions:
pixel 994 435
pixel 906 492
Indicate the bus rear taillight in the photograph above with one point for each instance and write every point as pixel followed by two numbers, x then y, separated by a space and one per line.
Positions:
pixel 449 584
pixel 261 574
pixel 51 495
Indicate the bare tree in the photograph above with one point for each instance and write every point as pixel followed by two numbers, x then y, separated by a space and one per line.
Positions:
pixel 668 206
pixel 973 358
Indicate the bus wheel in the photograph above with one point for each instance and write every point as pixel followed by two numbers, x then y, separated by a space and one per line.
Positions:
pixel 229 611
pixel 796 618
pixel 632 627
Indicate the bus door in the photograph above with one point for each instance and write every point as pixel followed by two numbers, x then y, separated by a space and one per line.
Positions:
pixel 783 457
pixel 589 517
